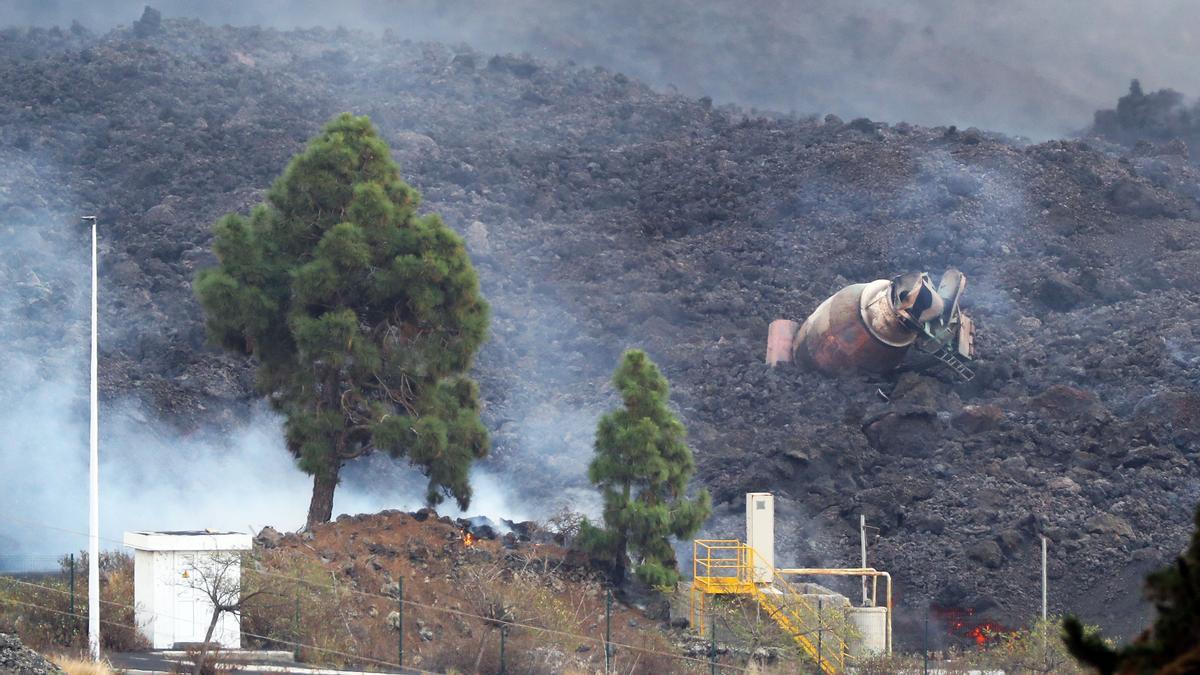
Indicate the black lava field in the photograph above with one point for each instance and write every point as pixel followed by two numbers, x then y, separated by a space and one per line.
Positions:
pixel 603 214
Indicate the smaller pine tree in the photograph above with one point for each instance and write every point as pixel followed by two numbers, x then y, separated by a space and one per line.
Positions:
pixel 1172 645
pixel 642 467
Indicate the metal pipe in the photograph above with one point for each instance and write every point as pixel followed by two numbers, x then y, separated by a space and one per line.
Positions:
pixel 851 572
pixel 889 611
pixel 780 334
pixel 833 571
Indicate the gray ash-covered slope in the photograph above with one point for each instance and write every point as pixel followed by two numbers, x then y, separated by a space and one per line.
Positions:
pixel 603 215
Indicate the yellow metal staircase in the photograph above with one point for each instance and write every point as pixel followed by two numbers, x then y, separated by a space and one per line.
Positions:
pixel 729 567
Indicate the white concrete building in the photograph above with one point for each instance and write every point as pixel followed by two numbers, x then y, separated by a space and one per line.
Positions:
pixel 172 575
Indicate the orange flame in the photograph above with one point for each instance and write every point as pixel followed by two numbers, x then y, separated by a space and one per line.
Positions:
pixel 986 632
pixel 962 622
pixel 468 538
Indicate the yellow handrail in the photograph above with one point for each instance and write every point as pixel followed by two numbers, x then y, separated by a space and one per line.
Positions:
pixel 722 566
pixel 794 599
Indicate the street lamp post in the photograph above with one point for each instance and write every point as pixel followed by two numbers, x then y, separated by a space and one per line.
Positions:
pixel 94 472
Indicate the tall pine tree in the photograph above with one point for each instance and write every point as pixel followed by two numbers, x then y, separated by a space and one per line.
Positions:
pixel 362 316
pixel 642 467
pixel 1172 645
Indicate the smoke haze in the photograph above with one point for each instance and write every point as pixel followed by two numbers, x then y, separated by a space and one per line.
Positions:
pixel 152 477
pixel 1008 68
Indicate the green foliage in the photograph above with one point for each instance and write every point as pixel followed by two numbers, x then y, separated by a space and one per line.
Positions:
pixel 1173 642
pixel 1035 649
pixel 1030 650
pixel 642 467
pixel 362 316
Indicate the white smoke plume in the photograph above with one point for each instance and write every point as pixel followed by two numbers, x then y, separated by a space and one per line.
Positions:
pixel 152 476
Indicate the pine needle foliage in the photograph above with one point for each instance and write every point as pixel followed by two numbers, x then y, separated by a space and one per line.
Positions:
pixel 362 316
pixel 1172 645
pixel 642 466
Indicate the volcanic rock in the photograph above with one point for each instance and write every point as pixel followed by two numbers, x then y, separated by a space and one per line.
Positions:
pixel 149 23
pixel 903 433
pixel 15 658
pixel 1131 197
pixel 268 537
pixel 1064 401
pixel 1108 525
pixel 477 239
pixel 1056 291
pixel 973 419
pixel 987 553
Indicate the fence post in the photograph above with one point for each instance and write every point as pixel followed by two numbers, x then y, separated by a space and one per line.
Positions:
pixel 296 626
pixel 74 619
pixel 503 635
pixel 72 559
pixel 820 636
pixel 400 621
pixel 925 641
pixel 712 651
pixel 608 632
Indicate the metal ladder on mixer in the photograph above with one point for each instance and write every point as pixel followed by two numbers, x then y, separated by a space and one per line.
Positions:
pixel 945 354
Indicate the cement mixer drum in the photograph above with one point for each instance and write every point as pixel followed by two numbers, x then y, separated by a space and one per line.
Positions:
pixel 870 327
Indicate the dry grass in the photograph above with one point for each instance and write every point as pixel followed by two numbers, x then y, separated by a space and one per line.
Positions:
pixel 38 609
pixel 77 666
pixel 457 595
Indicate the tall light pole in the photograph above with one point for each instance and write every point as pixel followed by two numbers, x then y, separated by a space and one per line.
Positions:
pixel 1045 605
pixel 94 472
pixel 862 538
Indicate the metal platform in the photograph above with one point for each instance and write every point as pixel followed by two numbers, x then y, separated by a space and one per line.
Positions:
pixel 730 567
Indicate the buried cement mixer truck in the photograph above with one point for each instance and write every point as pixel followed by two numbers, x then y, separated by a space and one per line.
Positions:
pixel 872 326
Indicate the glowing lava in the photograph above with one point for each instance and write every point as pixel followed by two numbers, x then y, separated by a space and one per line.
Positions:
pixel 985 632
pixel 961 622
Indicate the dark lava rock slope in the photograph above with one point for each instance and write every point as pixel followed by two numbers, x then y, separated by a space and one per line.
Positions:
pixel 604 215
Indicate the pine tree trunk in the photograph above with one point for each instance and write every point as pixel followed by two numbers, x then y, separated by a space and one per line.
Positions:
pixel 622 561
pixel 320 509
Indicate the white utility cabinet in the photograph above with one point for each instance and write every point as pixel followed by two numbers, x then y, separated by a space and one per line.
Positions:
pixel 760 535
pixel 170 572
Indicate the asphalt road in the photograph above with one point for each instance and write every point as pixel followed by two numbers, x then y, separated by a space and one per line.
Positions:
pixel 247 663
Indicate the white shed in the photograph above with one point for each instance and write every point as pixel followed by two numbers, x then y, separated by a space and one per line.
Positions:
pixel 171 571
